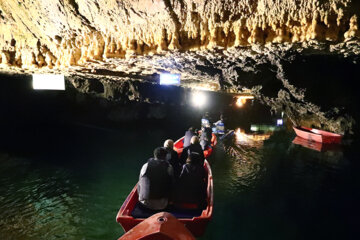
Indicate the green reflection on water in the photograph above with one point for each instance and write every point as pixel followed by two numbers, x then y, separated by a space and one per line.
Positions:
pixel 261 185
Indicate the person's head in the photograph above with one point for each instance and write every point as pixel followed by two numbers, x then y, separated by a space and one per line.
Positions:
pixel 169 143
pixel 191 129
pixel 194 140
pixel 160 153
pixel 193 158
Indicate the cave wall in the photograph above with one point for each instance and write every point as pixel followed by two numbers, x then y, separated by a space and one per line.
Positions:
pixel 72 32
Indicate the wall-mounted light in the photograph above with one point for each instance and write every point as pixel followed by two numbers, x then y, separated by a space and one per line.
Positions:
pixel 241 100
pixel 198 99
pixel 169 79
pixel 48 82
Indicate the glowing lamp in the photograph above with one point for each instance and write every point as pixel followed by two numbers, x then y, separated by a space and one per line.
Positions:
pixel 241 100
pixel 198 99
pixel 254 128
pixel 48 82
pixel 169 79
pixel 279 122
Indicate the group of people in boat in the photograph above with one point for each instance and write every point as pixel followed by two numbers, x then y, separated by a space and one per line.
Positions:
pixel 167 178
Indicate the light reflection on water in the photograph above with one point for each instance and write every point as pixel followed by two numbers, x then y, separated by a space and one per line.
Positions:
pixel 267 186
pixel 245 155
pixel 34 204
pixel 75 195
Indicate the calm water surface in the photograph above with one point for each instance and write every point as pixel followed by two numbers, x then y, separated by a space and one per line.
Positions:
pixel 68 180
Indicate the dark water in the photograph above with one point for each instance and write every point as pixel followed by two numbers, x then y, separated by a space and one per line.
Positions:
pixel 274 190
pixel 67 180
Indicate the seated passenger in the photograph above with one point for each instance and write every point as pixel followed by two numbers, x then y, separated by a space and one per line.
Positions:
pixel 205 137
pixel 205 120
pixel 194 147
pixel 188 135
pixel 191 186
pixel 172 157
pixel 220 126
pixel 155 181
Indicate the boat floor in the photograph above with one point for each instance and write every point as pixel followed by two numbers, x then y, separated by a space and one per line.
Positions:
pixel 140 211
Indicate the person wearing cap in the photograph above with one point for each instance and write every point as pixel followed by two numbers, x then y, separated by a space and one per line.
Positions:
pixel 172 157
pixel 156 181
pixel 194 147
pixel 191 186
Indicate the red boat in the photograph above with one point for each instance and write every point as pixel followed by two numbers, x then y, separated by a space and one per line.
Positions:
pixel 317 135
pixel 160 226
pixel 195 220
pixel 317 146
pixel 179 146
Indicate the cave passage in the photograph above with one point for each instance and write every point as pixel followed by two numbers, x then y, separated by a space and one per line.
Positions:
pixel 67 164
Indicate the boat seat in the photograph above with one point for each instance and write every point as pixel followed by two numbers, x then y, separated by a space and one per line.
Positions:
pixel 140 211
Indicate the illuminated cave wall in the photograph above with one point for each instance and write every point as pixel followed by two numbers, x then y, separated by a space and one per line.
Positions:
pixel 72 32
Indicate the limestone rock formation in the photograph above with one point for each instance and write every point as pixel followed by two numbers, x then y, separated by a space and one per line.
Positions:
pixel 73 32
pixel 113 48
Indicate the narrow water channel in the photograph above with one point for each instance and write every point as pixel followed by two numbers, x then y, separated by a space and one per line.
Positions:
pixel 67 180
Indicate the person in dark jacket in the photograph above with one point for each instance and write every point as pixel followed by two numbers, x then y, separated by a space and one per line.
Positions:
pixel 188 135
pixel 194 147
pixel 172 157
pixel 191 187
pixel 205 137
pixel 156 181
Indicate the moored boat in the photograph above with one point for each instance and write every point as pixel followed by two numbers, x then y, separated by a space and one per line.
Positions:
pixel 317 135
pixel 317 146
pixel 179 146
pixel 195 220
pixel 160 226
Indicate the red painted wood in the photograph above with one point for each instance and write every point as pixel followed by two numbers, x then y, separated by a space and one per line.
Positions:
pixel 196 225
pixel 179 146
pixel 160 226
pixel 317 135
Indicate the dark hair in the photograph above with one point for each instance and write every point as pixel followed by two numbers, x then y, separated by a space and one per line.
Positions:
pixel 191 129
pixel 193 158
pixel 160 153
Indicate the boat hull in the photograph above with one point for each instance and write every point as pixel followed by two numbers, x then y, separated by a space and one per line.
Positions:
pixel 312 134
pixel 160 226
pixel 196 225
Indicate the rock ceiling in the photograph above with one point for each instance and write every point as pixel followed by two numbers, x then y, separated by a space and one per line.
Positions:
pixel 214 44
pixel 74 32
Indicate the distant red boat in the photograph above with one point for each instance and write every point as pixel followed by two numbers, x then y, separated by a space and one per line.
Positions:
pixel 317 135
pixel 160 226
pixel 195 220
pixel 317 146
pixel 179 146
